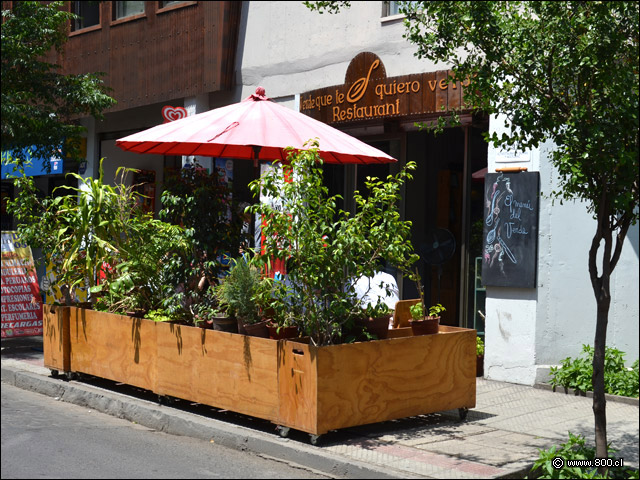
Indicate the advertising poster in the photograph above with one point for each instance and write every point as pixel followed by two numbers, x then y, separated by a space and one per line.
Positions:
pixel 21 305
pixel 51 290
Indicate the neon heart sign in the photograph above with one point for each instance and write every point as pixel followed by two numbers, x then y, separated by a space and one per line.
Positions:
pixel 173 113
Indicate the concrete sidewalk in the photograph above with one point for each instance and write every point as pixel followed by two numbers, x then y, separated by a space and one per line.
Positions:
pixel 499 439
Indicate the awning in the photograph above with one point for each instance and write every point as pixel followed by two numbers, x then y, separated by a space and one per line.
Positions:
pixel 33 166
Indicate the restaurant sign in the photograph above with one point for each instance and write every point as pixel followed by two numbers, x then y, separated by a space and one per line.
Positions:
pixel 368 94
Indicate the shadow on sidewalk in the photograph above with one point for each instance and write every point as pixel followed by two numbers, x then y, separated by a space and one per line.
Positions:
pixel 22 347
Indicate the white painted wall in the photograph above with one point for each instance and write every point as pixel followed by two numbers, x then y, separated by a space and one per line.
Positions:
pixel 288 49
pixel 527 330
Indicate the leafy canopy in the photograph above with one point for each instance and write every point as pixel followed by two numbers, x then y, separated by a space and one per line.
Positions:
pixel 327 249
pixel 564 71
pixel 39 103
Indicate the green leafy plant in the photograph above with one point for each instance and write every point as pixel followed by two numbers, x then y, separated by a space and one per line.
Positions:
pixel 79 231
pixel 574 449
pixel 379 310
pixel 203 206
pixel 417 311
pixel 577 373
pixel 479 346
pixel 241 291
pixel 100 238
pixel 326 249
pixel 158 315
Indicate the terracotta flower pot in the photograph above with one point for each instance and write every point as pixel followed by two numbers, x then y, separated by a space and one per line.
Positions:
pixel 284 332
pixel 479 365
pixel 375 326
pixel 426 326
pixel 258 329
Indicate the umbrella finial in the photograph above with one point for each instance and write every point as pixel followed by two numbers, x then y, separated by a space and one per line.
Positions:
pixel 260 94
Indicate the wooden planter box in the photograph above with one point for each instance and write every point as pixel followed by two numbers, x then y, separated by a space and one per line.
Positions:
pixel 292 384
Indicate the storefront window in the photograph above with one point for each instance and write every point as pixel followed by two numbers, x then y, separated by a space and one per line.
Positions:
pixel 127 9
pixel 88 15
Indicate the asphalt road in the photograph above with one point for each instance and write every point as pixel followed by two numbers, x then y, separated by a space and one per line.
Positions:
pixel 46 438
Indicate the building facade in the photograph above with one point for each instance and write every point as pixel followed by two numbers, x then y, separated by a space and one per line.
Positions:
pixel 356 72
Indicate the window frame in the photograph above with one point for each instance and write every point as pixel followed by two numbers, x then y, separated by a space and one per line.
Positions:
pixel 77 31
pixel 128 18
pixel 175 6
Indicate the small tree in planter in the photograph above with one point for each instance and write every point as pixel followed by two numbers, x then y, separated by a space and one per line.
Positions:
pixel 200 203
pixel 326 249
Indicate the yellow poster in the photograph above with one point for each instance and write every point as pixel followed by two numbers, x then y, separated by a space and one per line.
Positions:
pixel 52 292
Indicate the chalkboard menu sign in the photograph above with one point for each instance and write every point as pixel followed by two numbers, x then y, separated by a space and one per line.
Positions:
pixel 510 236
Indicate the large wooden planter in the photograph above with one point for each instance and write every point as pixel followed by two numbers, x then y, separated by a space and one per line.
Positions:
pixel 293 384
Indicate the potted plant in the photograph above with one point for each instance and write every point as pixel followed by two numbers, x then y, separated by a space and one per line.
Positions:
pixel 327 250
pixel 238 294
pixel 422 324
pixel 479 357
pixel 374 321
pixel 310 385
pixel 283 326
pixel 209 314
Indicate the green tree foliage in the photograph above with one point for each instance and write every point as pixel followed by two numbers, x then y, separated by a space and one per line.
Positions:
pixel 561 71
pixel 326 249
pixel 199 202
pixel 99 230
pixel 552 463
pixel 38 102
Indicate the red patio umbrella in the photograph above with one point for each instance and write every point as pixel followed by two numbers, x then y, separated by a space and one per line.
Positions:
pixel 255 128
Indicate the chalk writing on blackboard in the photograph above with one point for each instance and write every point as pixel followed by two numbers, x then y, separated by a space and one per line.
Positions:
pixel 510 230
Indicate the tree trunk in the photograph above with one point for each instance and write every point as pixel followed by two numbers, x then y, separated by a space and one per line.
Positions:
pixel 599 401
pixel 607 224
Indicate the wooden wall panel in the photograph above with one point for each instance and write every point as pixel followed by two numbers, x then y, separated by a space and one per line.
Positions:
pixel 334 387
pixel 224 370
pixel 160 56
pixel 298 386
pixel 55 337
pixel 395 378
pixel 114 347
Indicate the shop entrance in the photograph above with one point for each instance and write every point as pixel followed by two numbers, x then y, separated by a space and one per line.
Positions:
pixel 444 204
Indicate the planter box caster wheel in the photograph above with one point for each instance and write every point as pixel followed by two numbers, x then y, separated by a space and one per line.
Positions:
pixel 71 376
pixel 166 400
pixel 283 431
pixel 463 413
pixel 55 373
pixel 314 439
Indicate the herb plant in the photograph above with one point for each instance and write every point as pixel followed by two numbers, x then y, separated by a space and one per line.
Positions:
pixel 417 311
pixel 577 373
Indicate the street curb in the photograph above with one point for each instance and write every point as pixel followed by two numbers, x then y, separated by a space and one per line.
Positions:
pixel 578 393
pixel 176 422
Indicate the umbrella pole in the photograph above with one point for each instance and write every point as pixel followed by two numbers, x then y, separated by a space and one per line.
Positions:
pixel 256 175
